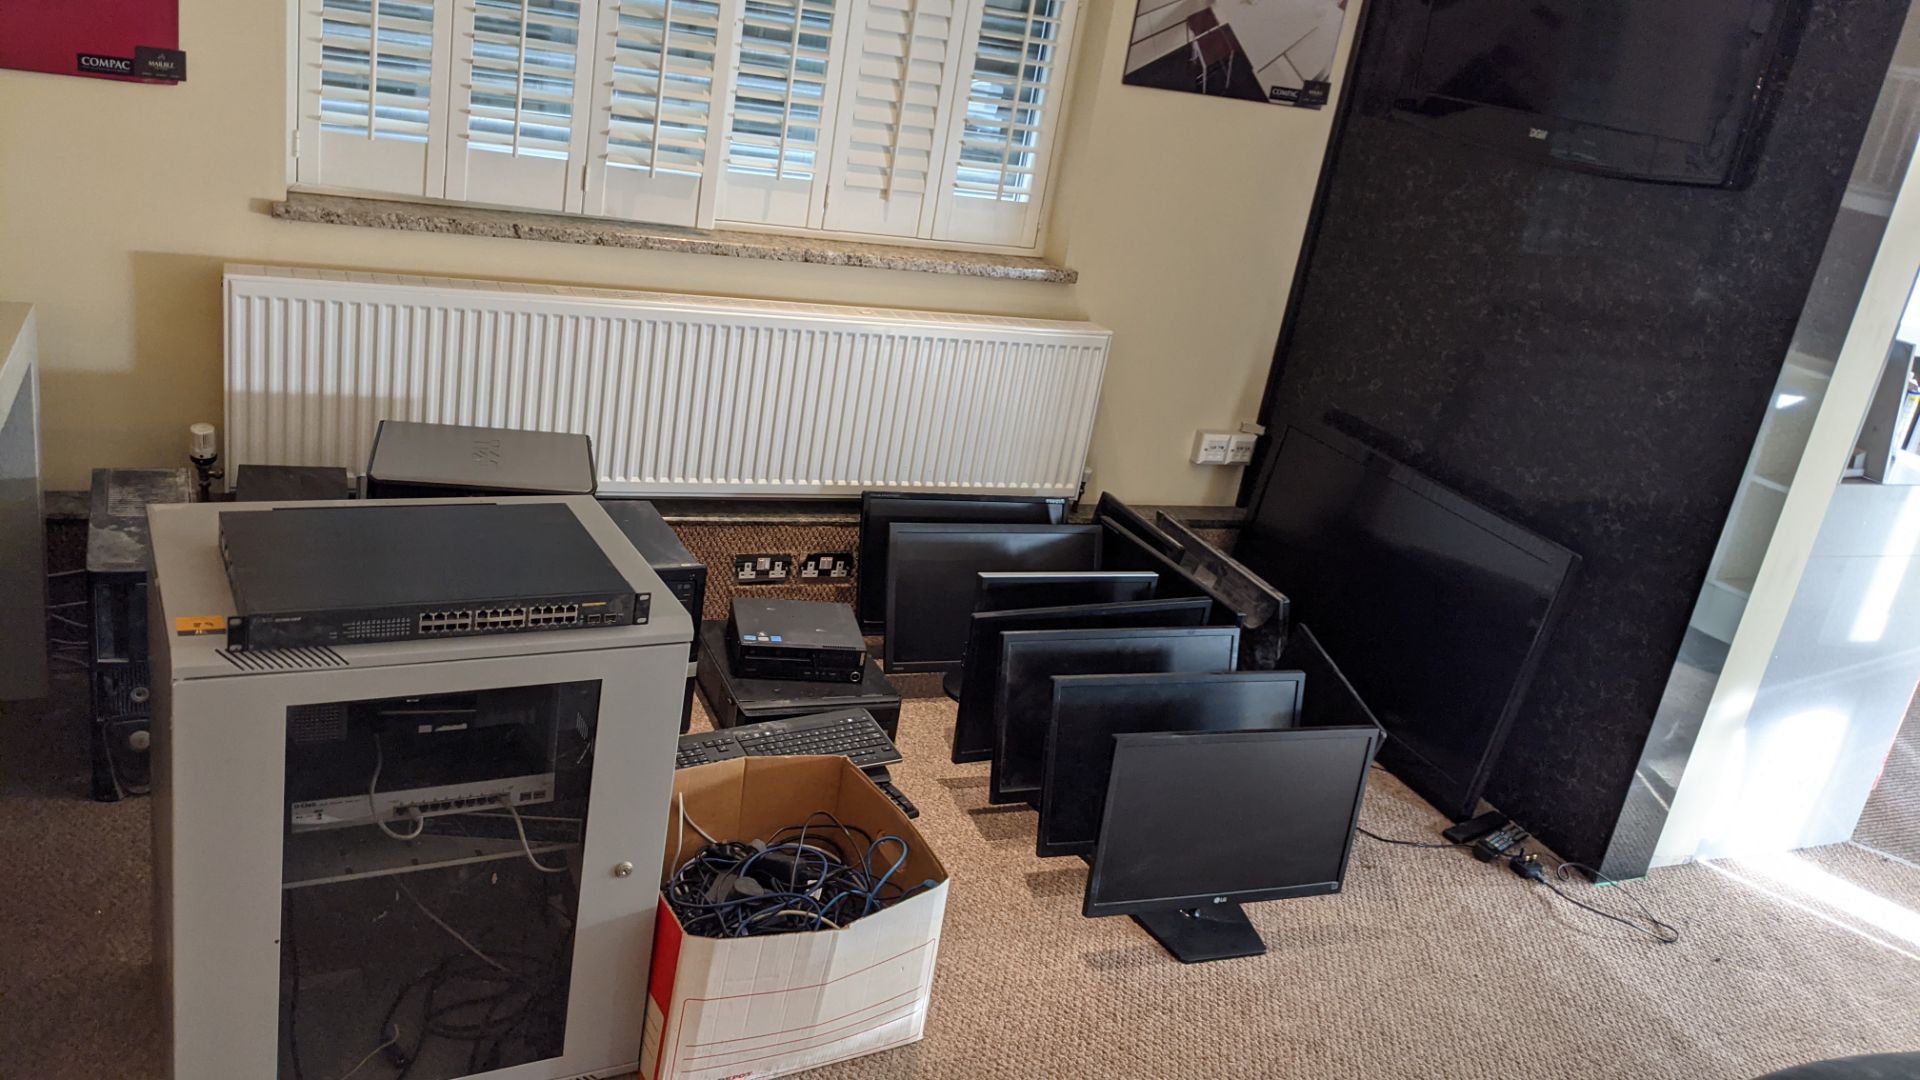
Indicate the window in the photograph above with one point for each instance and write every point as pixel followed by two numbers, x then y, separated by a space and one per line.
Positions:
pixel 933 120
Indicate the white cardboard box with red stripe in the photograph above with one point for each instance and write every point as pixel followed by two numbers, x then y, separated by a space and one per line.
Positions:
pixel 755 1007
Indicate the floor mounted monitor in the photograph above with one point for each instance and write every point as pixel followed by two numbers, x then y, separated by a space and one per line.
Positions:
pixel 1029 659
pixel 1089 710
pixel 973 734
pixel 879 510
pixel 932 570
pixel 1436 609
pixel 1198 823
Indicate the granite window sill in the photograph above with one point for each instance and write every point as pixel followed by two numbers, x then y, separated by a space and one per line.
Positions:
pixel 599 232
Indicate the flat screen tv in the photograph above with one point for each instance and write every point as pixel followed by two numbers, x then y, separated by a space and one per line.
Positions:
pixel 1436 609
pixel 879 510
pixel 1677 91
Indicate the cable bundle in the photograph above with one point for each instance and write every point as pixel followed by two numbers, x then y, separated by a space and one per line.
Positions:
pixel 804 878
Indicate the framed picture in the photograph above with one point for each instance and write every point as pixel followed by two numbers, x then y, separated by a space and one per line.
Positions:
pixel 1278 51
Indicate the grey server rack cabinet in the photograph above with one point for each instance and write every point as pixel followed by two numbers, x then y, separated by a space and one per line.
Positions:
pixel 440 851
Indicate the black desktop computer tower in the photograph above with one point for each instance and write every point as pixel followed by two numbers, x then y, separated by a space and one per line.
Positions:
pixel 685 575
pixel 117 556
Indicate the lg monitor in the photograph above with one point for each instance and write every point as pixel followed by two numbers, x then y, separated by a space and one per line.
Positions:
pixel 1437 609
pixel 931 570
pixel 1197 824
pixel 973 732
pixel 879 510
pixel 1029 659
pixel 1089 710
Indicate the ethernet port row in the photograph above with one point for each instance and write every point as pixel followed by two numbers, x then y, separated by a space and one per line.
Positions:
pixel 554 615
pixel 446 622
pixel 500 618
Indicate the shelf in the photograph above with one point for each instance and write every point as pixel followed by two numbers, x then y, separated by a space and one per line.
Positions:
pixel 354 854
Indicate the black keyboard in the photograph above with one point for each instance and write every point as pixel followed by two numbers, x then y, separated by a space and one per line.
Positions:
pixel 853 733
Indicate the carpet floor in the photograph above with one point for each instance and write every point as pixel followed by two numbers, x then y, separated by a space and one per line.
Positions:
pixel 1428 965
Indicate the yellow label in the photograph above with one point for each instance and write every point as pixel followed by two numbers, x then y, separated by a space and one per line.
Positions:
pixel 188 625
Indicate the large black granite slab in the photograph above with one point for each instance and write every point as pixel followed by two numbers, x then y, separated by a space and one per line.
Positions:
pixel 1589 356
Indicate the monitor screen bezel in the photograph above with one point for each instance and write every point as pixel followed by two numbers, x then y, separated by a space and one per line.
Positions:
pixel 1051 766
pixel 1143 742
pixel 870 592
pixel 999 789
pixel 907 529
pixel 986 581
pixel 979 671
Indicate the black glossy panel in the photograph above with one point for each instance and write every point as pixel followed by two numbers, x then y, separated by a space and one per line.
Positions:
pixel 1588 356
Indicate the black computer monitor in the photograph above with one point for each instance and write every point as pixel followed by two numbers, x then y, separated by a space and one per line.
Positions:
pixel 973 734
pixel 1264 610
pixel 1029 659
pixel 931 568
pixel 1437 609
pixel 1008 590
pixel 1122 549
pixel 879 510
pixel 1138 524
pixel 1198 823
pixel 1005 590
pixel 1089 710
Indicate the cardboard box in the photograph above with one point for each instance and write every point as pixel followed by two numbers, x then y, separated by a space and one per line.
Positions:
pixel 730 1009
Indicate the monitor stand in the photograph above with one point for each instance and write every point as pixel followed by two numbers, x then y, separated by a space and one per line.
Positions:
pixel 950 682
pixel 1195 935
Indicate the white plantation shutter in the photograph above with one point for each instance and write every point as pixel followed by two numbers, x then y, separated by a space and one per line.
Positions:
pixel 889 144
pixel 372 106
pixel 521 99
pixel 661 79
pixel 1012 100
pixel 786 88
pixel 931 120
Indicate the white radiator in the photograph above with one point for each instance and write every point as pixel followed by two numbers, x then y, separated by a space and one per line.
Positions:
pixel 680 394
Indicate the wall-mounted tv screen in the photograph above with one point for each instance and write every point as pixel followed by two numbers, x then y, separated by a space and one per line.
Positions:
pixel 1667 90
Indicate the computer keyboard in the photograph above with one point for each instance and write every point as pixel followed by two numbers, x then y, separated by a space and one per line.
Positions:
pixel 853 733
pixel 899 798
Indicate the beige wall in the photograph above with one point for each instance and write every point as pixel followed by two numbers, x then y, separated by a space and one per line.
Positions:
pixel 120 202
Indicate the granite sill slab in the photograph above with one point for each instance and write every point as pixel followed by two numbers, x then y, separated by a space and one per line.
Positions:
pixel 599 232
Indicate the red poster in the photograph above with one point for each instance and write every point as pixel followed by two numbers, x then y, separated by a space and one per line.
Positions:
pixel 131 40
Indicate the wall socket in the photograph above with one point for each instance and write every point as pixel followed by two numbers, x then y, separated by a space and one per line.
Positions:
pixel 1223 447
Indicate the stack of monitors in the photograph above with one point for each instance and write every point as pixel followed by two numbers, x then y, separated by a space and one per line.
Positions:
pixel 1193 794
pixel 881 510
pixel 932 576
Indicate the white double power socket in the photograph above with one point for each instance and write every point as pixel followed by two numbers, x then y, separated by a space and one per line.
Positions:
pixel 1223 447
